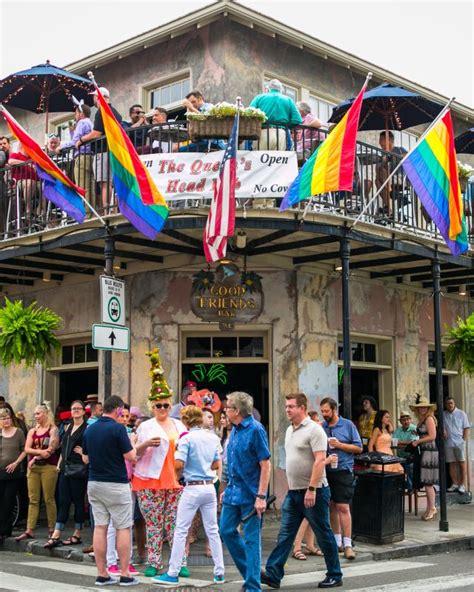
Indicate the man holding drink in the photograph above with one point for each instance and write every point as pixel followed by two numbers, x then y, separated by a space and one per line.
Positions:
pixel 344 442
pixel 308 495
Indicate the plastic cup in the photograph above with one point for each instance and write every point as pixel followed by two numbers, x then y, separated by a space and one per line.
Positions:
pixel 331 442
pixel 394 442
pixel 334 461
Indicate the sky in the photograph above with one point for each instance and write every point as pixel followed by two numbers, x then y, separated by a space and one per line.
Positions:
pixel 427 41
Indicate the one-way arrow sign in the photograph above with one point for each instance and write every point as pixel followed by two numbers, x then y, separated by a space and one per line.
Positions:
pixel 111 338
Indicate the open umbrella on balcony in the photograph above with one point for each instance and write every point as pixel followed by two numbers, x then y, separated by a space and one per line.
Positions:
pixel 464 143
pixel 389 107
pixel 44 89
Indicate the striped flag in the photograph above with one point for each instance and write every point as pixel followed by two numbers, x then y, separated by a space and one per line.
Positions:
pixel 221 219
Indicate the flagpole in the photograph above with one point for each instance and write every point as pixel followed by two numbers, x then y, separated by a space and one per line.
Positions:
pixel 380 189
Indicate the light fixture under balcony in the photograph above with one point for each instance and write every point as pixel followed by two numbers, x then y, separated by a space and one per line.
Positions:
pixel 46 276
pixel 338 267
pixel 462 290
pixel 241 239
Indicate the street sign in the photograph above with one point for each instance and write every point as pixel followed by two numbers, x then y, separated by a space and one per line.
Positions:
pixel 112 297
pixel 110 337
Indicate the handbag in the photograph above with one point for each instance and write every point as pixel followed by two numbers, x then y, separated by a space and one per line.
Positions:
pixel 76 470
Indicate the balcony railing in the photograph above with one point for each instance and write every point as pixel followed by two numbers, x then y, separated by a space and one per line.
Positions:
pixel 24 210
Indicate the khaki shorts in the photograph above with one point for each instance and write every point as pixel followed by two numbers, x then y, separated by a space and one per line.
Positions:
pixel 111 502
pixel 455 454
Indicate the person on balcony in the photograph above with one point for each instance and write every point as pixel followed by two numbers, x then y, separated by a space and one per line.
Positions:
pixel 195 103
pixel 307 140
pixel 5 146
pixel 386 166
pixel 133 127
pixel 101 160
pixel 83 174
pixel 25 177
pixel 281 113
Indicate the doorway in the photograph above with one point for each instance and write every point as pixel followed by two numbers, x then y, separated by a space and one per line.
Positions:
pixel 364 383
pixel 224 378
pixel 77 384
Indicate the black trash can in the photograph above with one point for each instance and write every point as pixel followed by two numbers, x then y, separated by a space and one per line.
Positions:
pixel 378 503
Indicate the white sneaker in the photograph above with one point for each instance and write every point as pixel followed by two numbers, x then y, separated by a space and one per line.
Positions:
pixel 452 488
pixel 461 489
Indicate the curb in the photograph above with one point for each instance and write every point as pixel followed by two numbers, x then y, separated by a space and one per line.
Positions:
pixel 460 544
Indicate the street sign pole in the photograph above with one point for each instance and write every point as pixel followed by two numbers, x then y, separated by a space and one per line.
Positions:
pixel 109 250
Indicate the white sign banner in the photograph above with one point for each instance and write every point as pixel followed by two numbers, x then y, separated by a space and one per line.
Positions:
pixel 260 173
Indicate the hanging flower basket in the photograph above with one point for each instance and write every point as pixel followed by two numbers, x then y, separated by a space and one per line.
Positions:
pixel 218 121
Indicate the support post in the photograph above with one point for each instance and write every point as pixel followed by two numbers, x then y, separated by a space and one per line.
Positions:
pixel 109 250
pixel 346 329
pixel 436 271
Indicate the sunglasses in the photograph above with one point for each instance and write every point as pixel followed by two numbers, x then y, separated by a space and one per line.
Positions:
pixel 162 406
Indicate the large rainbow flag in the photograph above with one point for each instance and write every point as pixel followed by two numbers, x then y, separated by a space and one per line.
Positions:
pixel 432 170
pixel 331 166
pixel 138 197
pixel 57 187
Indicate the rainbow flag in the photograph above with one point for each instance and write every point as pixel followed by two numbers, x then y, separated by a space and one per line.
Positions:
pixel 57 187
pixel 331 166
pixel 432 170
pixel 133 183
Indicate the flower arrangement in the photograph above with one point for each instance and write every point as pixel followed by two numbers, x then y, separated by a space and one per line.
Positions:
pixel 27 333
pixel 228 110
pixel 464 170
pixel 159 387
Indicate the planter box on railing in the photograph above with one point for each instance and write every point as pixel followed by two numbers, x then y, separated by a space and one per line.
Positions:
pixel 220 128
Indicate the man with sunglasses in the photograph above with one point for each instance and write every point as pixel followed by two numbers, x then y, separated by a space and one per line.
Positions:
pixel 106 446
pixel 137 121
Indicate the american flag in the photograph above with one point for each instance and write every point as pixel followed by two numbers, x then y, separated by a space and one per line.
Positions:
pixel 221 219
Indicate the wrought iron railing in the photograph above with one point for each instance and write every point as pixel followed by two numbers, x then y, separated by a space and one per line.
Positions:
pixel 24 210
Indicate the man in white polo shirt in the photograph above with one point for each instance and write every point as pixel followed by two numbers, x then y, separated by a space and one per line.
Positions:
pixel 308 495
pixel 456 424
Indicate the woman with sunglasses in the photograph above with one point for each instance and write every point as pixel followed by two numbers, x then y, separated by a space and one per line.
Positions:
pixel 12 444
pixel 154 479
pixel 72 483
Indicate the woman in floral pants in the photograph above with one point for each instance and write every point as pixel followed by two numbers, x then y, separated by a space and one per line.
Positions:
pixel 154 480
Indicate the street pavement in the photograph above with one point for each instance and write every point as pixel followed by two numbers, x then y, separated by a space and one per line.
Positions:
pixel 446 571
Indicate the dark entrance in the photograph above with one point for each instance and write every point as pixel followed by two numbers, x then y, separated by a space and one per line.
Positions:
pixel 77 384
pixel 223 378
pixel 433 387
pixel 365 383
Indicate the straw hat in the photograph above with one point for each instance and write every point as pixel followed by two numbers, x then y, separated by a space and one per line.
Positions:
pixel 421 401
pixel 404 414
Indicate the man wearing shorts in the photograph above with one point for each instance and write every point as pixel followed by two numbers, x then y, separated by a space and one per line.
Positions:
pixel 457 428
pixel 106 446
pixel 344 440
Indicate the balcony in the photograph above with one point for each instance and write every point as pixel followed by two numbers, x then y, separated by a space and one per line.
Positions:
pixel 25 212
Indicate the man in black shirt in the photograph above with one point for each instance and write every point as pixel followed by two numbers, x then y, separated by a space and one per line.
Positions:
pixel 137 121
pixel 101 160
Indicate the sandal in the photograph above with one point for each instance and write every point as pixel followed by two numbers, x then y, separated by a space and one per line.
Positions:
pixel 72 540
pixel 24 536
pixel 52 543
pixel 298 554
pixel 314 551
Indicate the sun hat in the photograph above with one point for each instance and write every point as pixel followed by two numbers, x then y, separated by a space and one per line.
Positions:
pixel 422 401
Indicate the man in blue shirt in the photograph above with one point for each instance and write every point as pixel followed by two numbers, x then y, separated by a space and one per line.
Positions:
pixel 106 446
pixel 196 459
pixel 248 465
pixel 344 440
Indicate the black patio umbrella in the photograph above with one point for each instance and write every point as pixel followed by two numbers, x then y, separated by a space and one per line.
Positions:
pixel 389 107
pixel 464 143
pixel 45 89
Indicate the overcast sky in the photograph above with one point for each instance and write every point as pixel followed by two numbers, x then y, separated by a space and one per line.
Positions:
pixel 427 41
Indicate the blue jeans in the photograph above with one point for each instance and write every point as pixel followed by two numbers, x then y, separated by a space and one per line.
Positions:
pixel 246 555
pixel 292 513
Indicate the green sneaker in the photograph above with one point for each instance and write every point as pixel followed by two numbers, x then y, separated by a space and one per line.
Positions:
pixel 184 572
pixel 150 571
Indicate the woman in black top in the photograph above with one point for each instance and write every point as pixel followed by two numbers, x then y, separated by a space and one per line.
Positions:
pixel 72 484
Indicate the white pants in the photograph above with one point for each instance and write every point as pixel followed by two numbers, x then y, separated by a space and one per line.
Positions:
pixel 194 498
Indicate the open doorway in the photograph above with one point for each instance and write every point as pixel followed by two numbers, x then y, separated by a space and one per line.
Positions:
pixel 364 383
pixel 223 378
pixel 77 384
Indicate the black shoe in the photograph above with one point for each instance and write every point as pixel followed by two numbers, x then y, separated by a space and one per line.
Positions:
pixel 330 582
pixel 266 580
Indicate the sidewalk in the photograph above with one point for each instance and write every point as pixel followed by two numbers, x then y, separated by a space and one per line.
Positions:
pixel 421 538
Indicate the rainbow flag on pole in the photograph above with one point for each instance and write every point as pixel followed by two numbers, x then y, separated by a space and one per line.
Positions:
pixel 432 170
pixel 331 166
pixel 57 187
pixel 138 197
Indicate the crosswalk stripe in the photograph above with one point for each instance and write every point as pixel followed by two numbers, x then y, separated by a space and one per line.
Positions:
pixel 91 570
pixel 362 569
pixel 18 583
pixel 425 585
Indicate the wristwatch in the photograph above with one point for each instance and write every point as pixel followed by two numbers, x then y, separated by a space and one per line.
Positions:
pixel 311 488
pixel 261 496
